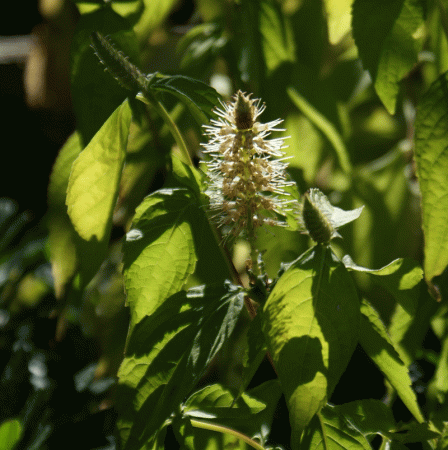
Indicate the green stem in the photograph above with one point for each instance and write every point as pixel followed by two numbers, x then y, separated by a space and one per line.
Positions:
pixel 151 100
pixel 321 422
pixel 226 430
pixel 226 255
pixel 253 248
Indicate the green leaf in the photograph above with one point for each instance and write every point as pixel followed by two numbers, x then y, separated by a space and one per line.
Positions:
pixel 329 431
pixel 250 414
pixel 217 402
pixel 93 185
pixel 303 134
pixel 197 96
pixel 377 344
pixel 167 354
pixel 310 322
pixel 383 32
pixel 159 254
pixel 387 225
pixel 417 432
pixel 184 433
pixel 187 176
pixel 324 125
pixel 439 384
pixel 11 432
pixel 399 54
pixel 154 13
pixel 62 236
pixel 276 35
pixel 409 331
pixel 131 10
pixel 431 155
pixel 96 94
pixel 399 277
pixel 201 45
pixel 170 238
pixel 171 242
pixel 254 353
pixel 214 329
pixel 368 416
pixel 154 348
pixel 339 19
pixel 146 156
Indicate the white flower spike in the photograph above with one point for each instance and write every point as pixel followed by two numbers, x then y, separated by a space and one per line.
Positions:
pixel 245 182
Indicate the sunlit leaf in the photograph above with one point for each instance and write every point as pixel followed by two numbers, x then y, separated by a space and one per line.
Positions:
pixel 383 33
pixel 94 181
pixel 310 321
pixel 328 431
pixel 250 414
pixel 216 402
pixel 431 154
pixel 144 159
pixel 11 432
pixel 93 185
pixel 377 344
pixel 339 18
pixel 399 277
pixel 159 251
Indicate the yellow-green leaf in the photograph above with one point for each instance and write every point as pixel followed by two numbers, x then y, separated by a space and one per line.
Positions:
pixel 339 18
pixel 431 154
pixel 94 180
pixel 310 322
pixel 380 348
pixel 11 432
pixel 384 33
pixel 329 431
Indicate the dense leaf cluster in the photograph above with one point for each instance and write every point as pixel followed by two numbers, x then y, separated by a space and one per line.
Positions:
pixel 207 341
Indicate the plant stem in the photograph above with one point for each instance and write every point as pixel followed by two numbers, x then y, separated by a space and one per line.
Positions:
pixel 321 422
pixel 253 248
pixel 150 99
pixel 226 430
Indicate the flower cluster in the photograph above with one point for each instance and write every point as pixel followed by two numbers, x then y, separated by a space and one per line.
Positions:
pixel 246 185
